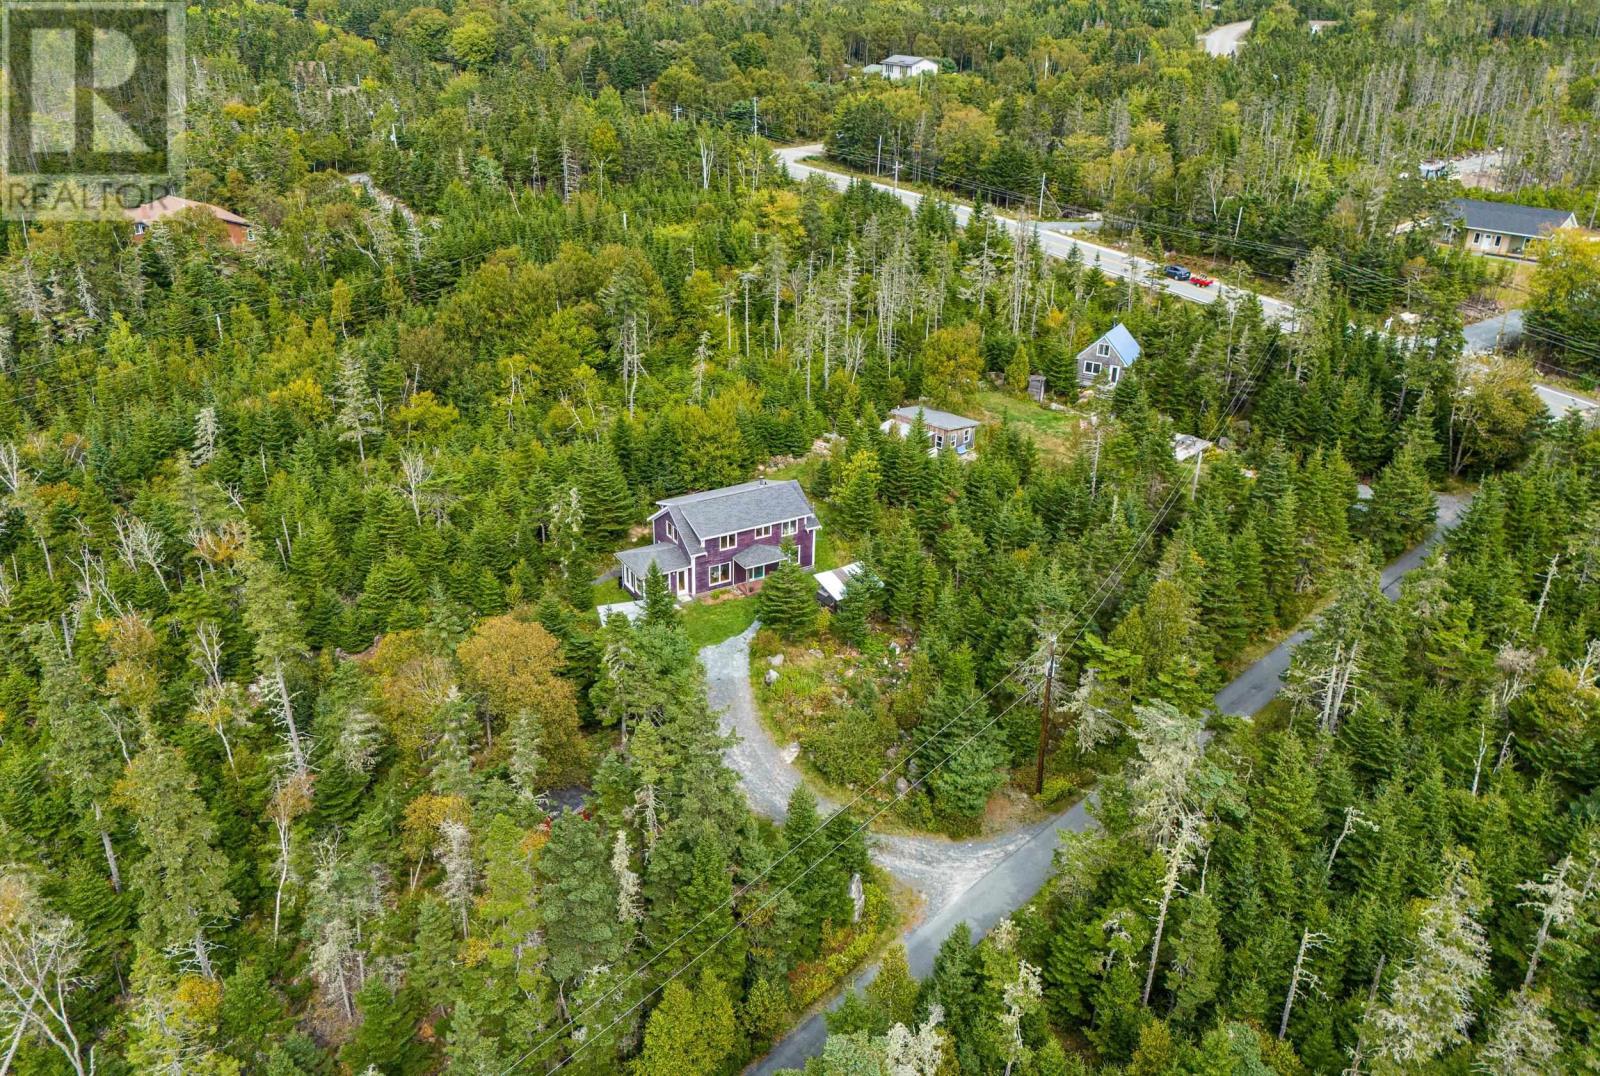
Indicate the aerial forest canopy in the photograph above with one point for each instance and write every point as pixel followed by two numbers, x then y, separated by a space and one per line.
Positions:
pixel 316 758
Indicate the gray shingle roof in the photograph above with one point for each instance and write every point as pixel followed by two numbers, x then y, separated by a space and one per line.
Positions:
pixel 666 556
pixel 756 555
pixel 1508 219
pixel 900 59
pixel 934 418
pixel 738 508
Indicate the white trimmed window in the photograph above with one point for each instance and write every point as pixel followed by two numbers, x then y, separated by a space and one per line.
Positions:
pixel 1102 349
pixel 764 532
pixel 758 572
pixel 727 541
pixel 672 532
pixel 721 574
pixel 938 440
pixel 791 526
pixel 1091 367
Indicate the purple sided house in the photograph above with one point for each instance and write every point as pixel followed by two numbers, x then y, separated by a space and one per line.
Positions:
pixel 724 537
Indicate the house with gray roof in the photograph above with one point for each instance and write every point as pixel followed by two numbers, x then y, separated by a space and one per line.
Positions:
pixel 943 427
pixel 723 537
pixel 1502 227
pixel 1108 357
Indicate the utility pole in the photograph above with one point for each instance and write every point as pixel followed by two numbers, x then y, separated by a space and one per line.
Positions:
pixel 1040 213
pixel 1044 715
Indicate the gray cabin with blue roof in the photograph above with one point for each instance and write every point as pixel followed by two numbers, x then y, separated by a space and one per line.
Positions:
pixel 1108 356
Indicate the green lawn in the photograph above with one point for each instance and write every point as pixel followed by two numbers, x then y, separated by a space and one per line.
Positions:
pixel 712 622
pixel 610 592
pixel 1055 432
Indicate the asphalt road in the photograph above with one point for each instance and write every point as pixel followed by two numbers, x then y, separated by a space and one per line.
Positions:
pixel 1021 872
pixel 1503 329
pixel 1058 244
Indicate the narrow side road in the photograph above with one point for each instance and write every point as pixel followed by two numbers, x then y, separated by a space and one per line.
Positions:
pixel 1007 879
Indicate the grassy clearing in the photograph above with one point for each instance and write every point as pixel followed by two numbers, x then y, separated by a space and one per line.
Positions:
pixel 1055 432
pixel 610 592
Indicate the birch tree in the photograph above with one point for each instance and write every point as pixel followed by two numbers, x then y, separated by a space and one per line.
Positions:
pixel 41 957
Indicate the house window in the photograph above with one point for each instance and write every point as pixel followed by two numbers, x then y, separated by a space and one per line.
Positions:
pixel 758 572
pixel 629 581
pixel 727 541
pixel 1497 240
pixel 764 532
pixel 250 235
pixel 672 532
pixel 138 229
pixel 1477 237
pixel 1091 367
pixel 1102 349
pixel 938 440
pixel 721 574
pixel 791 526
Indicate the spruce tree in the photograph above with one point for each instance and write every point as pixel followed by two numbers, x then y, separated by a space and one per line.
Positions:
pixel 660 607
pixel 787 602
pixel 579 898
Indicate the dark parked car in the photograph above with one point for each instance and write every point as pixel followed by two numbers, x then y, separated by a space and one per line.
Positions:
pixel 1177 272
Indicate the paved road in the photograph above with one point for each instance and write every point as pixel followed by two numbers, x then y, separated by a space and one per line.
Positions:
pixel 1058 244
pixel 1501 330
pixel 1225 40
pixel 1021 872
pixel 1256 686
pixel 1505 330
pixel 1558 402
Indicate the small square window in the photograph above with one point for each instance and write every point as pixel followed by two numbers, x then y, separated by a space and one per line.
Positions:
pixel 1102 349
pixel 727 541
pixel 791 526
pixel 764 532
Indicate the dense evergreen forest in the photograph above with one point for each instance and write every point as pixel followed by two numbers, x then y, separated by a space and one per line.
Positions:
pixel 315 757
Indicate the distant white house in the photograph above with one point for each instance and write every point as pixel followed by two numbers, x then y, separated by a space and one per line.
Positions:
pixel 900 66
pixel 1110 355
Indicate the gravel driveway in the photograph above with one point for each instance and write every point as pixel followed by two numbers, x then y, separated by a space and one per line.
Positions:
pixel 939 868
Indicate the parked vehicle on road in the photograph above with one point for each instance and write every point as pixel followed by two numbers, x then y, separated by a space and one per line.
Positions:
pixel 1201 281
pixel 1177 272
